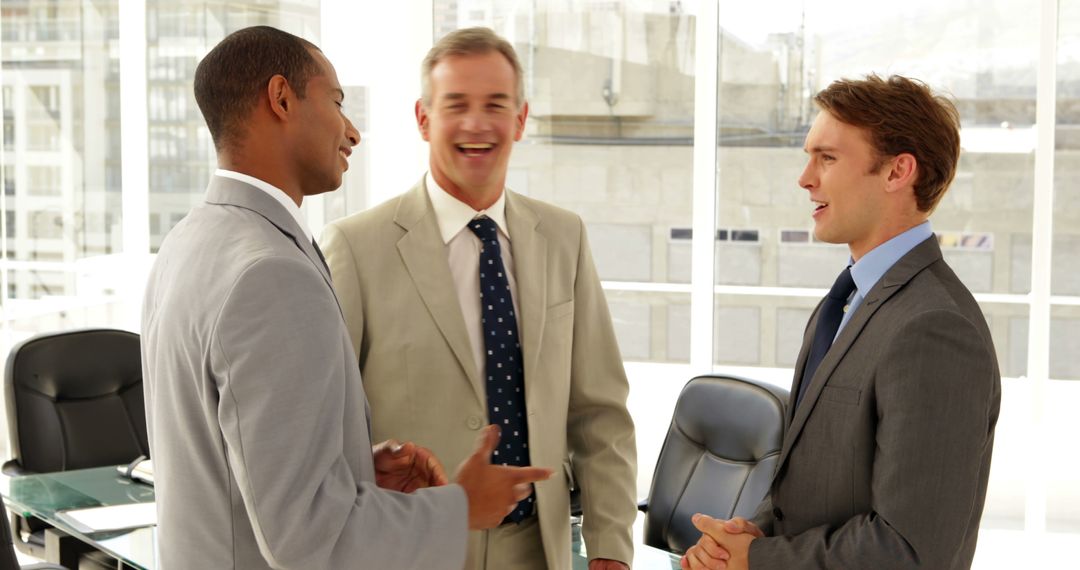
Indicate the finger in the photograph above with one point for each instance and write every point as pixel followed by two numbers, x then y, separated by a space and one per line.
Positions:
pixel 436 474
pixel 736 525
pixel 683 563
pixel 521 492
pixel 485 444
pixel 707 524
pixel 402 449
pixel 699 559
pixel 529 474
pixel 693 559
pixel 712 548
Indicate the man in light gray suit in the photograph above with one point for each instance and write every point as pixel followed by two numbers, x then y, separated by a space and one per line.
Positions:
pixel 256 411
pixel 896 393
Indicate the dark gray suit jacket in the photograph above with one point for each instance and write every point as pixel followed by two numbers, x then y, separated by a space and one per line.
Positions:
pixel 885 461
pixel 256 413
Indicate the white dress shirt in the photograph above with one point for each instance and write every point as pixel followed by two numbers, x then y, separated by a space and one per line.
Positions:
pixel 275 193
pixel 463 255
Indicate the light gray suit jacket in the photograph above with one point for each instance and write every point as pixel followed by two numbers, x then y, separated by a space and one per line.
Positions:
pixel 391 272
pixel 886 459
pixel 257 416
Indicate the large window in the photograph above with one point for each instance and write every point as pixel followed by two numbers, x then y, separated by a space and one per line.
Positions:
pixel 610 87
pixel 615 133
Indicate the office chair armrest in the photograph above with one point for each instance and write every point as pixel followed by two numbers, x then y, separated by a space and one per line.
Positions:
pixel 43 566
pixel 643 505
pixel 12 468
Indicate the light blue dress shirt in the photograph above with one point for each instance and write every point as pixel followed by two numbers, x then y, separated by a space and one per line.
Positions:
pixel 868 271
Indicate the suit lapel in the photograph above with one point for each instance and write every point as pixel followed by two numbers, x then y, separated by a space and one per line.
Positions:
pixel 800 364
pixel 424 255
pixel 226 191
pixel 894 279
pixel 530 271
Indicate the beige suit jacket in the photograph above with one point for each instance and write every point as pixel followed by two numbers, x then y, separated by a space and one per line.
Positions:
pixel 392 276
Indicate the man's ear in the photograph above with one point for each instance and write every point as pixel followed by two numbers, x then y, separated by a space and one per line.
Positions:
pixel 422 119
pixel 519 128
pixel 903 172
pixel 279 95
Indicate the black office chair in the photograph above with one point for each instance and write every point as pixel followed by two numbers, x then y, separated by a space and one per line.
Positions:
pixel 74 401
pixel 718 458
pixel 7 549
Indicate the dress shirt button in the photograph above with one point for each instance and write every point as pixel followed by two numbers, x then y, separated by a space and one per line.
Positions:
pixel 778 514
pixel 474 422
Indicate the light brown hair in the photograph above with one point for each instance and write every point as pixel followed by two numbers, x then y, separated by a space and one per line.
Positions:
pixel 902 115
pixel 469 41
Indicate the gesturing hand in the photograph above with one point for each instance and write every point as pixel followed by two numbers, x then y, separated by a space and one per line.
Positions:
pixel 493 490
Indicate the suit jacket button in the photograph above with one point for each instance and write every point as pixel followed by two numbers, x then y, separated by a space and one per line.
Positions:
pixel 778 514
pixel 474 422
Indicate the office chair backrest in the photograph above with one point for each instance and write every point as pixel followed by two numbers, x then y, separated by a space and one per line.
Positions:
pixel 75 400
pixel 718 458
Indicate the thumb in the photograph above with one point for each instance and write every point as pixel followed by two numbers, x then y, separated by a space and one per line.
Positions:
pixel 487 442
pixel 707 524
pixel 735 526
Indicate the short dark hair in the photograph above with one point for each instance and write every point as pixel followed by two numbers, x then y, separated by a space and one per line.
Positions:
pixel 233 75
pixel 470 41
pixel 902 115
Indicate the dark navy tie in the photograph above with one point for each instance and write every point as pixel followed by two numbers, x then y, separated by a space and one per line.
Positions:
pixel 505 368
pixel 829 317
pixel 315 245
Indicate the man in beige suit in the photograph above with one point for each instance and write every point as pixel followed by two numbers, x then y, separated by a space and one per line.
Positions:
pixel 896 394
pixel 433 283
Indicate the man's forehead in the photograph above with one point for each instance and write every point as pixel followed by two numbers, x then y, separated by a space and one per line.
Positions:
pixel 830 134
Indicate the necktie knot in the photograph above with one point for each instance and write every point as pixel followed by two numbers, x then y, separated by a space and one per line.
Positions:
pixel 485 228
pixel 843 286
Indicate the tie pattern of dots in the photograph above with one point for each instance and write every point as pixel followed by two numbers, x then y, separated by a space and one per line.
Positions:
pixel 502 353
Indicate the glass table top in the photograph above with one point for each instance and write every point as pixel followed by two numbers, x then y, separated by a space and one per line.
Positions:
pixel 46 495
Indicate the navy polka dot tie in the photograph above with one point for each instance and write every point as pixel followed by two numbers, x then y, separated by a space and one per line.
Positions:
pixel 502 353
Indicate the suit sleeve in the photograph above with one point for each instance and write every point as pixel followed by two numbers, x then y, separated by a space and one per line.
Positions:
pixel 600 431
pixel 342 263
pixel 280 359
pixel 935 389
pixel 763 517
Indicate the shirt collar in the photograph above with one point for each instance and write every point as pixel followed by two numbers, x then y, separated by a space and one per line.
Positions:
pixel 453 214
pixel 274 192
pixel 871 267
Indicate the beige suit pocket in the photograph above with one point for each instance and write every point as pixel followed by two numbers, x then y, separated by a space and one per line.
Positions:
pixel 841 395
pixel 560 310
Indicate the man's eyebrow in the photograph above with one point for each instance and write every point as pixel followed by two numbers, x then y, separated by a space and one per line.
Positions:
pixel 457 96
pixel 819 148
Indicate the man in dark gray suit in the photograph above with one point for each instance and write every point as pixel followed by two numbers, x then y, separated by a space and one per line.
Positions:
pixel 896 393
pixel 257 416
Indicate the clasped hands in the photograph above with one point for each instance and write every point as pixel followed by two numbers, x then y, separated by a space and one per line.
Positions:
pixel 406 467
pixel 723 544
